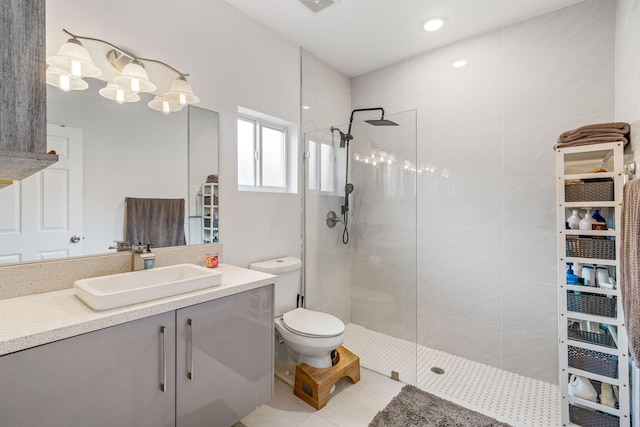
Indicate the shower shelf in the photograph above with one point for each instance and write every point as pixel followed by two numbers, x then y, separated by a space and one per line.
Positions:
pixel 573 164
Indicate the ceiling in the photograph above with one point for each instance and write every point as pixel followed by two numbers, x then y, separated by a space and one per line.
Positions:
pixel 357 36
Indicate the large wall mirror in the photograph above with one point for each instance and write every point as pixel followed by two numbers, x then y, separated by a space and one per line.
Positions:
pixel 109 152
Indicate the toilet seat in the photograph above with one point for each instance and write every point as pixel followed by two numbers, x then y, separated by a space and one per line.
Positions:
pixel 313 324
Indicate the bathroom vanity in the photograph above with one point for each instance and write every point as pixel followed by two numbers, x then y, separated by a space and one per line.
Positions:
pixel 195 359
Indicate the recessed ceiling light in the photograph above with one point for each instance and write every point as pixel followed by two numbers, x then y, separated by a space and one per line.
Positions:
pixel 305 107
pixel 459 63
pixel 434 24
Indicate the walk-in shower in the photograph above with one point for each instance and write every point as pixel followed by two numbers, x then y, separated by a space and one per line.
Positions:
pixel 345 138
pixel 370 184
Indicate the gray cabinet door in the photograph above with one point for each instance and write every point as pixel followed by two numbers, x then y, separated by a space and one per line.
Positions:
pixel 224 358
pixel 110 377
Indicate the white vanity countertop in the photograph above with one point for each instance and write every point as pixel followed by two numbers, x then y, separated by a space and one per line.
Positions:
pixel 39 319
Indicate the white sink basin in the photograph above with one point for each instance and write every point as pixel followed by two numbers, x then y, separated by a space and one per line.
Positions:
pixel 117 290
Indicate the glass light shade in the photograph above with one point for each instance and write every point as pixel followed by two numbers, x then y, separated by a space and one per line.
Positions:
pixel 61 79
pixel 181 92
pixel 73 58
pixel 135 78
pixel 118 93
pixel 164 105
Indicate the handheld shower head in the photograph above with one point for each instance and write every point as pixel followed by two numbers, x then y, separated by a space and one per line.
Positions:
pixel 344 137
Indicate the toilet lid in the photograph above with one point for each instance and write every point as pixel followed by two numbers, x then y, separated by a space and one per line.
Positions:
pixel 312 323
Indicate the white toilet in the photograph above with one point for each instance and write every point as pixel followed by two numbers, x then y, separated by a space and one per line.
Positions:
pixel 310 336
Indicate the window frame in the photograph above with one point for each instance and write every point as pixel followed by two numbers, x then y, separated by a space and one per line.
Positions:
pixel 316 158
pixel 259 124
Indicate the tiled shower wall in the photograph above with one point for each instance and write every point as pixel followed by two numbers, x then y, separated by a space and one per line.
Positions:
pixel 486 213
pixel 327 93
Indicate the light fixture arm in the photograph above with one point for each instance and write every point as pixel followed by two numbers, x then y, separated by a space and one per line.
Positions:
pixel 124 52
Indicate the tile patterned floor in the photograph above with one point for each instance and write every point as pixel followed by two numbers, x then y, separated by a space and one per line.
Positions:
pixel 508 397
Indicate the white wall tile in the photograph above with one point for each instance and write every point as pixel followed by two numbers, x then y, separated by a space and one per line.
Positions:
pixel 467 295
pixel 581 88
pixel 475 154
pixel 530 356
pixel 432 72
pixel 472 340
pixel 379 88
pixel 530 308
pixel 562 37
pixel 529 203
pixel 530 254
pixel 474 247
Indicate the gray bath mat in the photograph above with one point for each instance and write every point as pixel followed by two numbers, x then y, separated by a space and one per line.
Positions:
pixel 416 408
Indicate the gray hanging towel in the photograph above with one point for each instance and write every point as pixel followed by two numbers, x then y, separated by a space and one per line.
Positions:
pixel 630 265
pixel 159 222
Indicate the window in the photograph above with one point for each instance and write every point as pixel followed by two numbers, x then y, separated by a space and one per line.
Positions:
pixel 321 167
pixel 263 153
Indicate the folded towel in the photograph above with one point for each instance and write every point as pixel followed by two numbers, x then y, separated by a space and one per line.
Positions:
pixel 591 134
pixel 597 128
pixel 595 139
pixel 629 280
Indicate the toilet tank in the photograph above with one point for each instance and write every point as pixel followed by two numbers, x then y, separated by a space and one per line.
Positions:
pixel 288 282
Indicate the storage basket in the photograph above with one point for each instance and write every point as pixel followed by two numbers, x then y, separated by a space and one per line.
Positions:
pixel 593 361
pixel 591 304
pixel 591 248
pixel 589 192
pixel 590 418
pixel 590 337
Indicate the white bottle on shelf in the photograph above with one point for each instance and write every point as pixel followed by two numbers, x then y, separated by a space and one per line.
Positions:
pixel 574 220
pixel 585 223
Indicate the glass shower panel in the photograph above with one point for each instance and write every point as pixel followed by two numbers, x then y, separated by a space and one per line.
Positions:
pixel 369 282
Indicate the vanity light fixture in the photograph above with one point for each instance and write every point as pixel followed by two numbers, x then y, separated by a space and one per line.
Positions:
pixel 433 24
pixel 118 93
pixel 164 105
pixel 72 63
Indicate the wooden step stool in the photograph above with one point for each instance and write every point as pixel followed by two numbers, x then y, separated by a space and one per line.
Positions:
pixel 313 384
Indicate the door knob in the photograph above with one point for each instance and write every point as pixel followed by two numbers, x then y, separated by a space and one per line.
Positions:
pixel 75 239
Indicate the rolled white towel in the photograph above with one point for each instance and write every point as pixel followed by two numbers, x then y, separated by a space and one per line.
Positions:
pixel 606 396
pixel 581 387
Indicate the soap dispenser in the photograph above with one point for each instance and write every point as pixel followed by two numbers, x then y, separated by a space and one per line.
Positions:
pixel 143 258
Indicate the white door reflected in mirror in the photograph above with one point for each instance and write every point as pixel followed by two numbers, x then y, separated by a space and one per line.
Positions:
pixel 41 216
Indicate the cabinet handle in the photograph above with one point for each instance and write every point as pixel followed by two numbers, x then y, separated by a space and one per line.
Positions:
pixel 190 372
pixel 163 380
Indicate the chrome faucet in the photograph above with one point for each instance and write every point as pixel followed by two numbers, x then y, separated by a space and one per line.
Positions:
pixel 143 258
pixel 121 246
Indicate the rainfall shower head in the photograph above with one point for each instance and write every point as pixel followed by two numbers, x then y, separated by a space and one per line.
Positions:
pixel 376 122
pixel 381 122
